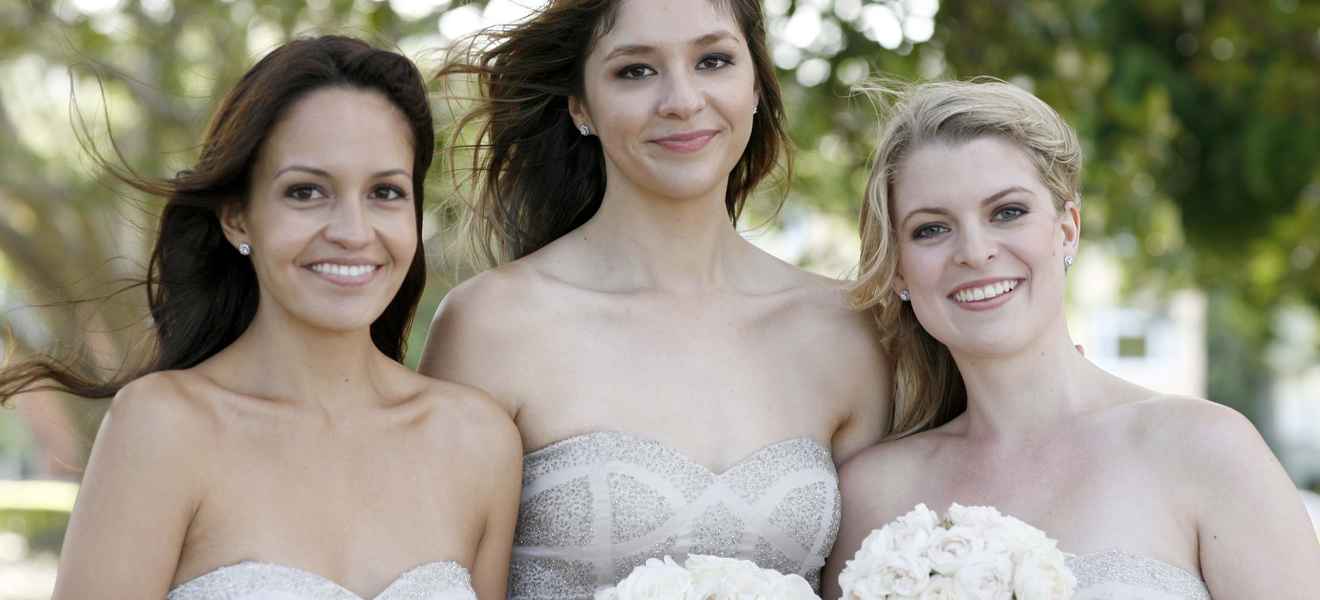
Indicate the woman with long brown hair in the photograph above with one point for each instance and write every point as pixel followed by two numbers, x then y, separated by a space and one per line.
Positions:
pixel 680 391
pixel 274 445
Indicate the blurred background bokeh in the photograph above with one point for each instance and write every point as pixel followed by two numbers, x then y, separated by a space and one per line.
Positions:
pixel 1200 268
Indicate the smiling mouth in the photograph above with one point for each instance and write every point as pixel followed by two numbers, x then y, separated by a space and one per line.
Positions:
pixel 982 293
pixel 340 274
pixel 686 142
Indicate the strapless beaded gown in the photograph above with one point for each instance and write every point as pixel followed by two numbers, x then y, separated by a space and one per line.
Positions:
pixel 1116 575
pixel 597 505
pixel 251 580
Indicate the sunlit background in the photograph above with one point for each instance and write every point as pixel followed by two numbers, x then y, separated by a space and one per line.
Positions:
pixel 1199 272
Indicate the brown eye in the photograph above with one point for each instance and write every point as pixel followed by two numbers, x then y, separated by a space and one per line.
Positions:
pixel 636 72
pixel 714 61
pixel 304 191
pixel 388 192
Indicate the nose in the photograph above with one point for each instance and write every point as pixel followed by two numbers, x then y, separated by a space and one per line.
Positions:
pixel 683 96
pixel 976 249
pixel 349 226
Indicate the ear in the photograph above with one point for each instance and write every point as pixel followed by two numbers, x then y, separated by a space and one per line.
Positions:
pixel 1070 225
pixel 899 284
pixel 234 223
pixel 577 108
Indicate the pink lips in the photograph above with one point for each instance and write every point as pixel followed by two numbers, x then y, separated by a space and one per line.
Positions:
pixel 686 142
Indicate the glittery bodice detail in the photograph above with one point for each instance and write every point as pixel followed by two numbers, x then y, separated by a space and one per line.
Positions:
pixel 252 580
pixel 597 505
pixel 1116 575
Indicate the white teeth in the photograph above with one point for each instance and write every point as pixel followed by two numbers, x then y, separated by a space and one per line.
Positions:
pixel 985 292
pixel 343 270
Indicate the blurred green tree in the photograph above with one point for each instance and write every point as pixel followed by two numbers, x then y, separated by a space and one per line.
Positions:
pixel 1198 118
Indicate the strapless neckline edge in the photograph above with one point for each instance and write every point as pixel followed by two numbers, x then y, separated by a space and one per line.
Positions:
pixel 581 437
pixel 445 565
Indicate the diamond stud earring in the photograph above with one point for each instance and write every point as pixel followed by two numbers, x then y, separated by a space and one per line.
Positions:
pixel 584 129
pixel 1067 263
pixel 904 295
pixel 244 249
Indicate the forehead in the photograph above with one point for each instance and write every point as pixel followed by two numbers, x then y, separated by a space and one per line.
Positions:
pixel 666 22
pixel 953 173
pixel 340 127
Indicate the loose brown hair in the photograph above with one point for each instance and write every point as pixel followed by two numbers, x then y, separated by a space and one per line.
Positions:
pixel 928 389
pixel 536 178
pixel 202 294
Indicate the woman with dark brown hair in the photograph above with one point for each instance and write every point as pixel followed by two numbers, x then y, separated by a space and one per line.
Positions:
pixel 272 448
pixel 681 390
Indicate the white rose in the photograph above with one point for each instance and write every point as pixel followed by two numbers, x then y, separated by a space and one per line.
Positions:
pixel 655 580
pixel 1043 576
pixel 977 517
pixel 719 578
pixel 986 576
pixel 941 588
pixel 950 548
pixel 912 532
pixel 792 587
pixel 902 574
pixel 1021 538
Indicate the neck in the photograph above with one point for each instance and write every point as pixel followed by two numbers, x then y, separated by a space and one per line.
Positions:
pixel 1022 395
pixel 673 244
pixel 282 358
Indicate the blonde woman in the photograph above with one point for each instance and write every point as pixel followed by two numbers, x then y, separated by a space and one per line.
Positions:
pixel 972 218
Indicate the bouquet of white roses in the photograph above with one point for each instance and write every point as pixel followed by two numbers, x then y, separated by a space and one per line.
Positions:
pixel 707 578
pixel 975 553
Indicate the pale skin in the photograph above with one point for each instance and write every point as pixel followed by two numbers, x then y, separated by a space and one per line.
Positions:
pixel 1096 462
pixel 656 318
pixel 301 444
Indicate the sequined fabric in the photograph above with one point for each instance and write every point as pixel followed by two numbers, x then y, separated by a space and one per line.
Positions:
pixel 251 580
pixel 597 505
pixel 1116 575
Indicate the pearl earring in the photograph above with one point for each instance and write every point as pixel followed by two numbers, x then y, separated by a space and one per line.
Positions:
pixel 244 249
pixel 904 295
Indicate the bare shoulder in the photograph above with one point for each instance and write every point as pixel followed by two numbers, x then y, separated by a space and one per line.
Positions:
pixel 487 300
pixel 170 406
pixel 468 416
pixel 1192 436
pixel 885 479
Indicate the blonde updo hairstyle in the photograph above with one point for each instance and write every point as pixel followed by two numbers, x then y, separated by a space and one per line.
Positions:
pixel 928 389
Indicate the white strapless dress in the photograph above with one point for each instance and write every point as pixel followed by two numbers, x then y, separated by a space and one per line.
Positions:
pixel 597 505
pixel 1117 575
pixel 252 580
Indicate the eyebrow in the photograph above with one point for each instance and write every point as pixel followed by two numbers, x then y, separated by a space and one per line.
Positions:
pixel 987 200
pixel 326 174
pixel 705 40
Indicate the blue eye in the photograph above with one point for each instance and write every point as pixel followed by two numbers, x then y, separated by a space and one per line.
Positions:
pixel 388 192
pixel 1009 213
pixel 638 71
pixel 928 231
pixel 304 191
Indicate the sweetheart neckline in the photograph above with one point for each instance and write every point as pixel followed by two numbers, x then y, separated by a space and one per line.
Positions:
pixel 411 571
pixel 1128 555
pixel 670 449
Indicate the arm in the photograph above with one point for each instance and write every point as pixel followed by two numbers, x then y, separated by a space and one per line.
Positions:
pixel 1255 539
pixel 870 408
pixel 490 568
pixel 864 509
pixel 138 496
pixel 461 346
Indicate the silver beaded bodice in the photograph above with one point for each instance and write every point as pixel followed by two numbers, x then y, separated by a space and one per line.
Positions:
pixel 1116 575
pixel 251 580
pixel 597 505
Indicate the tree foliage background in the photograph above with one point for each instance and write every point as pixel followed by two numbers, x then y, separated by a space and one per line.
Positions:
pixel 1200 120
